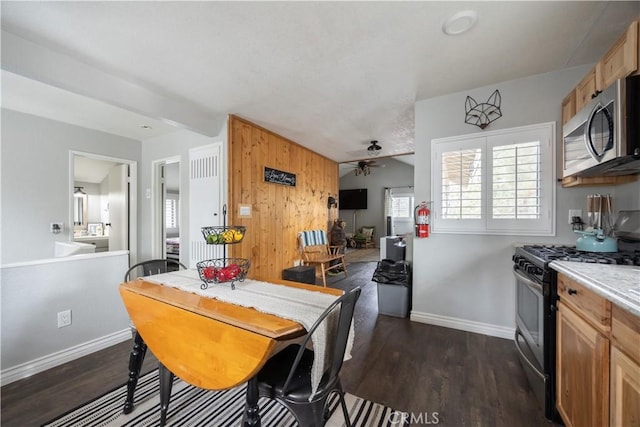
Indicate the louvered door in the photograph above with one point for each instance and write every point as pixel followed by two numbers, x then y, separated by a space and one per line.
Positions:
pixel 205 200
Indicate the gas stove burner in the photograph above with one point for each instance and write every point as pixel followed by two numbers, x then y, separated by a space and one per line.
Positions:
pixel 548 253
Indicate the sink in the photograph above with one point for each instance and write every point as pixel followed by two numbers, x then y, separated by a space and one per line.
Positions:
pixel 72 248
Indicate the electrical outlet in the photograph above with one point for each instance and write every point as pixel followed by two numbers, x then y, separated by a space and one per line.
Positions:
pixel 574 212
pixel 64 318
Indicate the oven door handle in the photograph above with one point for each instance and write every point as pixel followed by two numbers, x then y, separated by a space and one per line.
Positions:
pixel 534 286
pixel 524 357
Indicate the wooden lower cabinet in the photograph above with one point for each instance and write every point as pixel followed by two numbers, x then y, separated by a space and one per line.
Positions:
pixel 625 390
pixel 582 366
pixel 597 359
pixel 625 369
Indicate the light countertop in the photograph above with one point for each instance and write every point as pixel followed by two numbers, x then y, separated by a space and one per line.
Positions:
pixel 614 282
pixel 81 238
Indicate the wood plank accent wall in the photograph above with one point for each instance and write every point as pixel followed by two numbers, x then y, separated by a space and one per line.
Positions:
pixel 278 212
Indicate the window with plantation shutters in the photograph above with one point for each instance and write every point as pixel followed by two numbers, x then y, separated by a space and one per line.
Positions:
pixel 462 184
pixel 171 210
pixel 499 182
pixel 516 181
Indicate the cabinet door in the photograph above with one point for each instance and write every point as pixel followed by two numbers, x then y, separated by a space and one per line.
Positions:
pixel 582 364
pixel 588 87
pixel 625 390
pixel 568 106
pixel 622 59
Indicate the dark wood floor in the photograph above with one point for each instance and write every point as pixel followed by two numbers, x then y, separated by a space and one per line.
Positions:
pixel 467 379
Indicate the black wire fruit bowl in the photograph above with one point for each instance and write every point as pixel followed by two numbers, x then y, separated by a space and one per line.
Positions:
pixel 223 234
pixel 223 270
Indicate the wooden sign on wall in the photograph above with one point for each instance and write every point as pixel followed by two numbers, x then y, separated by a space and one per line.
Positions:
pixel 279 177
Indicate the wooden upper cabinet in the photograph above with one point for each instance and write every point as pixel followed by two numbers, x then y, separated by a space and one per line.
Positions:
pixel 568 106
pixel 621 60
pixel 588 87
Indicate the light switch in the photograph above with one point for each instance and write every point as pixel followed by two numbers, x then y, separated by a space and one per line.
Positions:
pixel 244 210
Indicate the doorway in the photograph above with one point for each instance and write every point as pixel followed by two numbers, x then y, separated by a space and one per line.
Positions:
pixel 102 202
pixel 166 208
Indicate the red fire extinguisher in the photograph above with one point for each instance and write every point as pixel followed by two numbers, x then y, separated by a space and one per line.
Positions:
pixel 422 216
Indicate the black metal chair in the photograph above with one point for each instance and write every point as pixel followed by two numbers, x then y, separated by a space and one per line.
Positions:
pixel 286 377
pixel 141 269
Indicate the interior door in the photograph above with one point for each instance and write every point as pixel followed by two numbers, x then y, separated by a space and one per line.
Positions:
pixel 205 200
pixel 119 208
pixel 161 210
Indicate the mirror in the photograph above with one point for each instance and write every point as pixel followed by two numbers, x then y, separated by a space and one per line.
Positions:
pixel 79 208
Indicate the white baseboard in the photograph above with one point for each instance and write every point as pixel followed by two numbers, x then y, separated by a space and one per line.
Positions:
pixel 41 364
pixel 463 325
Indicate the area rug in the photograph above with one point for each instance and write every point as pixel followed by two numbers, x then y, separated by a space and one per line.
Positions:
pixel 191 406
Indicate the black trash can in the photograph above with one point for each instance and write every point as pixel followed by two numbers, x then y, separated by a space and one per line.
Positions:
pixel 394 287
pixel 396 248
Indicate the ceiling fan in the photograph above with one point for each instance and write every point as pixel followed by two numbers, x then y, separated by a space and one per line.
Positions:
pixel 363 167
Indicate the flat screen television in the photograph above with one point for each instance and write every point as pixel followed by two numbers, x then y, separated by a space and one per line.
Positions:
pixel 353 199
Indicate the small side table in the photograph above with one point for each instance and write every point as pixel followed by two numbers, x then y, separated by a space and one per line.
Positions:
pixel 301 273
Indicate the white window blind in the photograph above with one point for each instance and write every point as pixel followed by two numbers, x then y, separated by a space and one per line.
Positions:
pixel 401 206
pixel 501 182
pixel 516 181
pixel 171 209
pixel 462 184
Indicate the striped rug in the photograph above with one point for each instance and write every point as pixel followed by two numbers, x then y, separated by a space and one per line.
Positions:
pixel 191 406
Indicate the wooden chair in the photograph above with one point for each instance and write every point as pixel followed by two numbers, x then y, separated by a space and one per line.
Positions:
pixel 141 269
pixel 365 237
pixel 315 251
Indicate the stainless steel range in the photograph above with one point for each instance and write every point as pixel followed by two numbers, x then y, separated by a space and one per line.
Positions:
pixel 536 297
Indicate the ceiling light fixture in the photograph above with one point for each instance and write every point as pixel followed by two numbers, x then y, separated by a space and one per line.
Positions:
pixel 374 148
pixel 460 22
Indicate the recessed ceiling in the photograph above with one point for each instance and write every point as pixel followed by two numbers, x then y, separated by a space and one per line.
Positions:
pixel 331 76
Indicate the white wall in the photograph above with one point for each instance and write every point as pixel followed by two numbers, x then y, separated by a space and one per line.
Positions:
pixel 465 281
pixel 393 174
pixel 36 190
pixel 32 295
pixel 35 179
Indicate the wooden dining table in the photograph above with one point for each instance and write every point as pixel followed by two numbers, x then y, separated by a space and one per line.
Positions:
pixel 209 343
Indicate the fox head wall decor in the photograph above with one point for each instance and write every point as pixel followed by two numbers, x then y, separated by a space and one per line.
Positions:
pixel 483 114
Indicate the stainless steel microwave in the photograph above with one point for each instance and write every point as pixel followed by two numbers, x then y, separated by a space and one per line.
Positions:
pixel 603 138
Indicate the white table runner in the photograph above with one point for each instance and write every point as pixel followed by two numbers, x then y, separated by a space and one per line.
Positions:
pixel 300 305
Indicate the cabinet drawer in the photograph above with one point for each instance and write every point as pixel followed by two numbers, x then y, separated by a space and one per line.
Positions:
pixel 625 332
pixel 591 306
